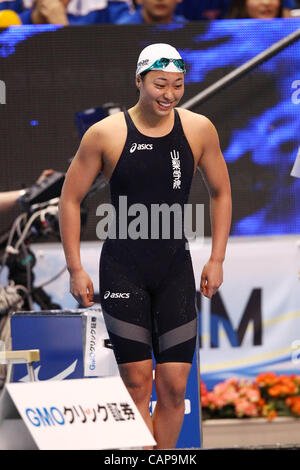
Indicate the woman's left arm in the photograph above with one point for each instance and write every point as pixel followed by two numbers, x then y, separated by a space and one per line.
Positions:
pixel 215 174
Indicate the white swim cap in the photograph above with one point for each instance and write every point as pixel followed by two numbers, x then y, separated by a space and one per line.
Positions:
pixel 160 57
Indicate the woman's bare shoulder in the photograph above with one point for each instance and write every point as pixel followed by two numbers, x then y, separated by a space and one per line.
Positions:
pixel 194 120
pixel 110 123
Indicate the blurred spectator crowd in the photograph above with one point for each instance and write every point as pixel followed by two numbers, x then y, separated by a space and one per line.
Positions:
pixel 82 12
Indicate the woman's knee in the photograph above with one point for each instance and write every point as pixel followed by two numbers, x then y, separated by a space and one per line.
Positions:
pixel 138 381
pixel 172 395
pixel 171 387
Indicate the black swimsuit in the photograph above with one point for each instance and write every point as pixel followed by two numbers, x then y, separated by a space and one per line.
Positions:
pixel 147 286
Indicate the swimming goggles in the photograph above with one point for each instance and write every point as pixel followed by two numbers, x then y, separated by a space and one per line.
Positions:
pixel 161 64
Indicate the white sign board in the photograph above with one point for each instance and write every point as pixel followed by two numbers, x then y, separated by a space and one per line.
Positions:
pixel 99 359
pixel 296 168
pixel 80 414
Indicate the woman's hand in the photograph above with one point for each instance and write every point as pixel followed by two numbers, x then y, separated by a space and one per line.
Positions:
pixel 211 278
pixel 81 287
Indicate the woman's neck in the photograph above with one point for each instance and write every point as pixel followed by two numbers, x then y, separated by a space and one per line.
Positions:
pixel 149 120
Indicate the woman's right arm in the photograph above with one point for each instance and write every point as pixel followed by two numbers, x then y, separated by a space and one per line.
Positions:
pixel 82 172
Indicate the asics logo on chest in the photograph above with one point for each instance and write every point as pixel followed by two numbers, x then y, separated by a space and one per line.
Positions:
pixel 136 146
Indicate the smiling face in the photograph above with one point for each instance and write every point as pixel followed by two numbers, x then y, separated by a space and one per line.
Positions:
pixel 160 91
pixel 263 9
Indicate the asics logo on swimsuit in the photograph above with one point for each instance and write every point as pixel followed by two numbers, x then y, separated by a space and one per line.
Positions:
pixel 116 295
pixel 136 146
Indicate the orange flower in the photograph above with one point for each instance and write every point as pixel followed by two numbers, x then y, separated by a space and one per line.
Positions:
pixel 274 391
pixel 271 415
pixel 296 379
pixel 286 380
pixel 261 402
pixel 294 404
pixel 266 378
pixel 282 387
